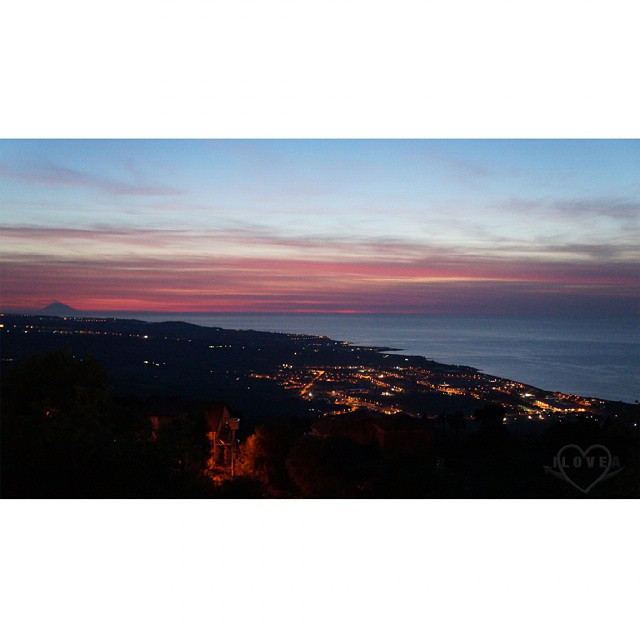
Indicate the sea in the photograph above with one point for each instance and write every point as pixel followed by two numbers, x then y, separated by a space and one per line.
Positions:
pixel 594 357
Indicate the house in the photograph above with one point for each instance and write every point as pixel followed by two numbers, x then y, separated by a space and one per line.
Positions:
pixel 220 426
pixel 221 432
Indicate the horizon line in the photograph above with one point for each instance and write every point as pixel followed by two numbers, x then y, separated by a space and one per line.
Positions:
pixel 342 312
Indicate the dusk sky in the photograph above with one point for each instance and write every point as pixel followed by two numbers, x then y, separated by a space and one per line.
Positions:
pixel 472 227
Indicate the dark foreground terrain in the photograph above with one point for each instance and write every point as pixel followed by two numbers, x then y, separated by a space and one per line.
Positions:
pixel 319 418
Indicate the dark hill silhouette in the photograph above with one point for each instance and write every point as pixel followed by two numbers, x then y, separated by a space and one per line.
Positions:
pixel 57 308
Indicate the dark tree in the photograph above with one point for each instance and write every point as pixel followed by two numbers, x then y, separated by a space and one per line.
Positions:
pixel 493 431
pixel 183 444
pixel 64 436
pixel 264 453
pixel 333 468
pixel 55 435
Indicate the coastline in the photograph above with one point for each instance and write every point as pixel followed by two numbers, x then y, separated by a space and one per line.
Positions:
pixel 583 356
pixel 344 347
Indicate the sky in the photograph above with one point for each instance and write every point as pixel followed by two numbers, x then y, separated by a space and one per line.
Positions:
pixel 472 227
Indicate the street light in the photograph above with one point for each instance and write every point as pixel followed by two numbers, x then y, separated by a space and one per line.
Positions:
pixel 234 425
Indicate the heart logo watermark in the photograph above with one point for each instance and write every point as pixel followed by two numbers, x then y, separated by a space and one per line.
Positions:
pixel 584 469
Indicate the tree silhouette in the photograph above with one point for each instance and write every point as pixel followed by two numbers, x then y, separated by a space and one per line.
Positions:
pixel 55 434
pixel 63 435
pixel 493 431
pixel 333 468
pixel 264 453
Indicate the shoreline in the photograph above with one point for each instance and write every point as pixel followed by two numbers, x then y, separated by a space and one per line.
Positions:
pixel 417 359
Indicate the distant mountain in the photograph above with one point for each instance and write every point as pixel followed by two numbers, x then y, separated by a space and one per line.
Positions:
pixel 59 309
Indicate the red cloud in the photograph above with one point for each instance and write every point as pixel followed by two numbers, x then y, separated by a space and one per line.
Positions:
pixel 217 284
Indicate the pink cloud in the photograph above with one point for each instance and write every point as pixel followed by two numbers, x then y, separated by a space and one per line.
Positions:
pixel 234 284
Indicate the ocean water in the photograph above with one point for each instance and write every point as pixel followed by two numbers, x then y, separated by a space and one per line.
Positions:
pixel 587 356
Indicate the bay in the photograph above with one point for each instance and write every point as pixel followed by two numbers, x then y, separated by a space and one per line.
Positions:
pixel 597 357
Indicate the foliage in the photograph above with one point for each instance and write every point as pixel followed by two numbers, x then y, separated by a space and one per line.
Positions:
pixel 332 468
pixel 264 453
pixel 493 432
pixel 64 435
pixel 183 443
